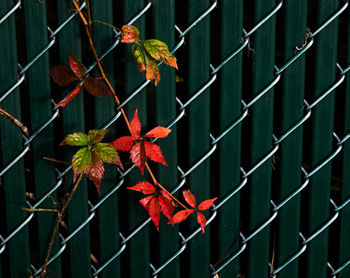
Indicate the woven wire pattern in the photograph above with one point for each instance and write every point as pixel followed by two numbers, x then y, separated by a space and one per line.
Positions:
pixel 183 104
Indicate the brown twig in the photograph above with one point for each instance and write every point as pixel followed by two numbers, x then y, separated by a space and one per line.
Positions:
pixel 8 116
pixel 56 160
pixel 40 209
pixel 57 224
pixel 86 25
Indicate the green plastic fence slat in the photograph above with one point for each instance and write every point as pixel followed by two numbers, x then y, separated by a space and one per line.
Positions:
pixel 261 114
pixel 292 96
pixel 322 140
pixel 11 146
pixel 39 92
pixel 227 104
pixel 198 117
pixel 164 20
pixel 103 36
pixel 344 243
pixel 138 246
pixel 73 120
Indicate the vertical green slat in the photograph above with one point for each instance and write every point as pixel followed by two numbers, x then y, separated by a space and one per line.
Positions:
pixel 73 120
pixel 164 30
pixel 138 246
pixel 40 96
pixel 104 110
pixel 198 115
pixel 261 137
pixel 229 154
pixel 344 253
pixel 292 96
pixel 322 139
pixel 11 146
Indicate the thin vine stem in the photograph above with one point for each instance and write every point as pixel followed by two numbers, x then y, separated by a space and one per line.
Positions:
pixel 86 25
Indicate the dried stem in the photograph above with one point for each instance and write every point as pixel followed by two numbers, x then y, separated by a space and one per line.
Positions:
pixel 40 209
pixel 56 160
pixel 57 224
pixel 86 25
pixel 8 116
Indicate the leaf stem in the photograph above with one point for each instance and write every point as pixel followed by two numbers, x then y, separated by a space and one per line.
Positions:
pixel 57 224
pixel 40 209
pixel 8 116
pixel 114 94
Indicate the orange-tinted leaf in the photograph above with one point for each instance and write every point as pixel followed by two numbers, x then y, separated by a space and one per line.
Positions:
pixel 139 56
pixel 129 34
pixel 206 204
pixel 96 135
pixel 70 96
pixel 201 221
pixel 75 139
pixel 189 197
pixel 144 186
pixel 166 207
pixel 62 75
pixel 158 132
pixel 95 87
pixel 159 51
pixel 152 71
pixel 181 216
pixel 77 67
pixel 168 196
pixel 154 211
pixel 145 202
pixel 154 152
pixel 138 156
pixel 135 126
pixel 124 143
pixel 95 171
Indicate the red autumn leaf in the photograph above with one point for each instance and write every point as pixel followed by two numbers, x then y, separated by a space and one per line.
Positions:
pixel 158 132
pixel 154 152
pixel 154 211
pixel 63 75
pixel 95 171
pixel 144 202
pixel 124 143
pixel 138 156
pixel 181 216
pixel 95 87
pixel 129 34
pixel 135 126
pixel 152 71
pixel 70 96
pixel 144 186
pixel 206 204
pixel 201 221
pixel 166 207
pixel 77 67
pixel 168 196
pixel 189 197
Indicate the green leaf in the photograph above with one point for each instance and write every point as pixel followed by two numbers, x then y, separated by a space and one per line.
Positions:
pixel 160 51
pixel 139 55
pixel 81 160
pixel 107 153
pixel 75 139
pixel 96 135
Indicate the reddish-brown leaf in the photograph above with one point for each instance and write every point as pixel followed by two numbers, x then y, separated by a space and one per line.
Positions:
pixel 158 132
pixel 145 202
pixel 138 156
pixel 77 67
pixel 181 216
pixel 189 197
pixel 152 71
pixel 95 172
pixel 166 207
pixel 154 152
pixel 154 211
pixel 70 96
pixel 95 87
pixel 206 204
pixel 201 221
pixel 144 186
pixel 62 75
pixel 129 34
pixel 124 143
pixel 135 126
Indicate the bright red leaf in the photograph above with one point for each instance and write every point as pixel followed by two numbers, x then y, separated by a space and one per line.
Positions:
pixel 154 211
pixel 206 204
pixel 138 156
pixel 189 197
pixel 144 186
pixel 201 221
pixel 166 207
pixel 181 216
pixel 158 132
pixel 77 66
pixel 144 202
pixel 135 126
pixel 70 96
pixel 129 34
pixel 124 143
pixel 154 152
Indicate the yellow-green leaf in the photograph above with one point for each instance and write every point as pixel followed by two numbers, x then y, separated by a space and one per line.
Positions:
pixel 159 51
pixel 75 139
pixel 81 160
pixel 96 135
